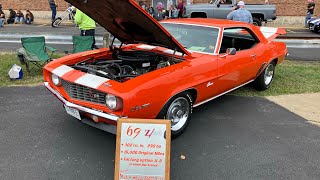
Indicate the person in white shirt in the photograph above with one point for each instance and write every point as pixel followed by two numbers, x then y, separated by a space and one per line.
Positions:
pixel 169 7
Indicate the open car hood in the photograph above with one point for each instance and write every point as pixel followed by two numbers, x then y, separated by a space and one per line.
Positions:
pixel 129 23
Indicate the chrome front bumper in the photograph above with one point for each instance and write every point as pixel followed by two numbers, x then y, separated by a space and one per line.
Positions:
pixel 81 108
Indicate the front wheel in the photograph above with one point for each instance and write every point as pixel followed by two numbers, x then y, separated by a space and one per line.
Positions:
pixel 178 109
pixel 56 22
pixel 264 80
pixel 257 22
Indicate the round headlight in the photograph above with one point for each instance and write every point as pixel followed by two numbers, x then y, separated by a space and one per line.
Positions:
pixel 113 102
pixel 56 80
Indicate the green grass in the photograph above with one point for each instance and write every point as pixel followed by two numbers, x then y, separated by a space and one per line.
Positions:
pixel 6 62
pixel 290 77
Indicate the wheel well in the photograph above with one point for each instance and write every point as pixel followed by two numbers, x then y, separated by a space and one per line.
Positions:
pixel 259 16
pixel 198 15
pixel 275 61
pixel 193 93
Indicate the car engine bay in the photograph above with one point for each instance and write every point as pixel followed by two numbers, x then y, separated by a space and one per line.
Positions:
pixel 126 65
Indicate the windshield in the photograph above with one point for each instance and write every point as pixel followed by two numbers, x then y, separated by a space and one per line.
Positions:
pixel 194 38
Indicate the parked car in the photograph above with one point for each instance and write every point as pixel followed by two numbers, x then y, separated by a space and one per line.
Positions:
pixel 162 70
pixel 314 24
pixel 216 9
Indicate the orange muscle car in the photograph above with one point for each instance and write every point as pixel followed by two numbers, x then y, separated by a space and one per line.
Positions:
pixel 160 69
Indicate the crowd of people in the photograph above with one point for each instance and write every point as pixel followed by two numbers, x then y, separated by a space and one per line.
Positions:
pixel 239 13
pixel 161 12
pixel 16 17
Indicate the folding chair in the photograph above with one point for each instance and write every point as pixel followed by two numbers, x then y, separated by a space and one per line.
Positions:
pixel 82 43
pixel 35 52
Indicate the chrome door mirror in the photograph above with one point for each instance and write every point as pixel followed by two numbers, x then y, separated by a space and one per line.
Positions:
pixel 229 51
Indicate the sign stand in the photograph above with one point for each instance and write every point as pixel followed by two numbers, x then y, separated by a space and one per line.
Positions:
pixel 143 149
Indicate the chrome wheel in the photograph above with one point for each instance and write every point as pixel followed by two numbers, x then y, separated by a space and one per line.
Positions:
pixel 268 74
pixel 178 113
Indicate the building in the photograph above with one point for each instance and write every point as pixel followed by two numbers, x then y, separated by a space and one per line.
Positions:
pixel 284 7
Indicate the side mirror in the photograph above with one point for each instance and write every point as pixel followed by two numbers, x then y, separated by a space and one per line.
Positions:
pixel 218 5
pixel 229 51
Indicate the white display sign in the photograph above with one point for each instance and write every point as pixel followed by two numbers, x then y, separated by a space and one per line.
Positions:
pixel 143 149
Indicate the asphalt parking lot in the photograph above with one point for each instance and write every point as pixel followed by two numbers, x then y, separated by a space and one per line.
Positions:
pixel 228 138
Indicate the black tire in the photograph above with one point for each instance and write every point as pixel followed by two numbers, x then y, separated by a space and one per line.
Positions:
pixel 56 22
pixel 316 29
pixel 264 80
pixel 177 128
pixel 257 21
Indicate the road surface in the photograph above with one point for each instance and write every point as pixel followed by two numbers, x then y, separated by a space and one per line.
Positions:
pixel 228 138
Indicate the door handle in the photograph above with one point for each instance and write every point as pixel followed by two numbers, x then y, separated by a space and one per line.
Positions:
pixel 253 56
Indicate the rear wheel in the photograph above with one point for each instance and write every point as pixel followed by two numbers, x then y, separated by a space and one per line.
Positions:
pixel 56 22
pixel 257 22
pixel 264 80
pixel 178 109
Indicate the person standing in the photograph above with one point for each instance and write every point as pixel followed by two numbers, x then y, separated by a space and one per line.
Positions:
pixel 240 14
pixel 310 10
pixel 169 8
pixel 87 25
pixel 180 8
pixel 53 6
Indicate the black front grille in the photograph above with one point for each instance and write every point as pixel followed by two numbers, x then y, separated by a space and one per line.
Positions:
pixel 76 91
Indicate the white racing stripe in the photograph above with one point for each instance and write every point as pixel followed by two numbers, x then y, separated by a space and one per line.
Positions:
pixel 147 47
pixel 169 51
pixel 62 70
pixel 90 80
pixel 268 31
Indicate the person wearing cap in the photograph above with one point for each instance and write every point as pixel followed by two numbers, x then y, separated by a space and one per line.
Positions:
pixel 241 14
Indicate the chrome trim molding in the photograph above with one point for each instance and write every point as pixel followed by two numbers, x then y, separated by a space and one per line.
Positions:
pixel 81 108
pixel 200 103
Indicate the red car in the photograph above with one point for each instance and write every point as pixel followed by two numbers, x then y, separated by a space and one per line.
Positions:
pixel 160 70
